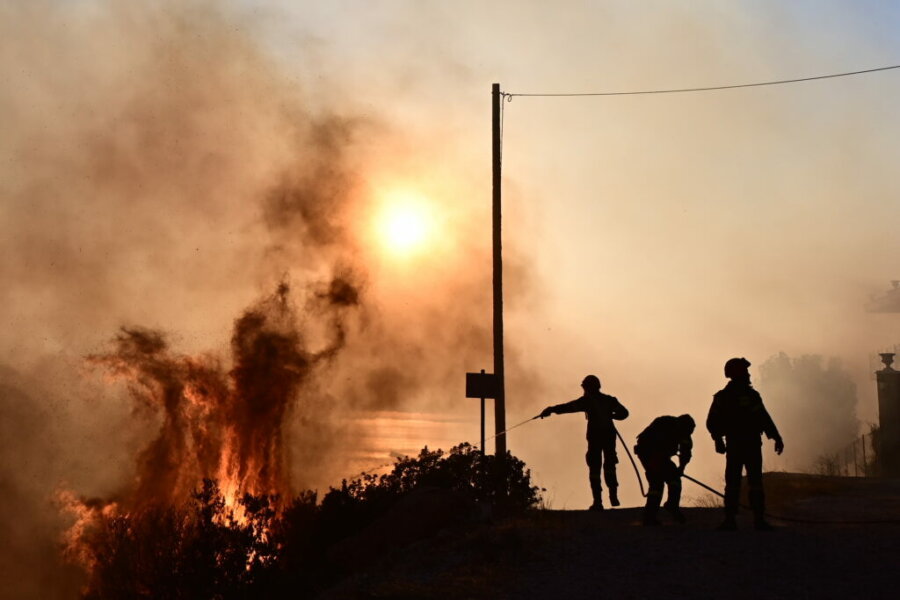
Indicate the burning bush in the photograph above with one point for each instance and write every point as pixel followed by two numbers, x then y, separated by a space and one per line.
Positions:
pixel 201 549
pixel 235 535
pixel 206 548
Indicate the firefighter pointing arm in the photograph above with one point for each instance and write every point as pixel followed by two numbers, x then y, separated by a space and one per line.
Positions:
pixel 600 410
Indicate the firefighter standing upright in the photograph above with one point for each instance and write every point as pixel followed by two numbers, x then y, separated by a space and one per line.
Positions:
pixel 600 409
pixel 737 419
pixel 662 439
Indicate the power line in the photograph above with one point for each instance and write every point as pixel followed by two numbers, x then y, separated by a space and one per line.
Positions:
pixel 510 96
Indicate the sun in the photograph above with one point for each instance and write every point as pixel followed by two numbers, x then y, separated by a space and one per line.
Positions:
pixel 404 224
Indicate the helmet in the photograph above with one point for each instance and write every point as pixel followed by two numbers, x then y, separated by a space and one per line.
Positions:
pixel 687 421
pixel 736 366
pixel 591 382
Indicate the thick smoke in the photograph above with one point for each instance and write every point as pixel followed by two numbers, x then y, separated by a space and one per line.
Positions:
pixel 30 562
pixel 229 425
pixel 158 171
pixel 806 390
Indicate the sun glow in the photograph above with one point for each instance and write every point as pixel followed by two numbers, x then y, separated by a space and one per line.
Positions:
pixel 404 224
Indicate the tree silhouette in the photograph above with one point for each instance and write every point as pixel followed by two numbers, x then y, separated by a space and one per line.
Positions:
pixel 813 402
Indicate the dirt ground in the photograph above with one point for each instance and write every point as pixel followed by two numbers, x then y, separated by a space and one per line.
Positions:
pixel 578 554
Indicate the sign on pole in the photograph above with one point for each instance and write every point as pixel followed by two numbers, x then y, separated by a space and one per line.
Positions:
pixel 481 385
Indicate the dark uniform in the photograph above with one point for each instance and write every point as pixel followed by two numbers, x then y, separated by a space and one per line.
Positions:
pixel 736 420
pixel 600 409
pixel 656 445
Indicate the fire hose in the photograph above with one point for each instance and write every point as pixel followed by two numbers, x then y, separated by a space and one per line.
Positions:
pixel 770 515
pixel 637 474
pixel 640 480
pixel 498 434
pixel 796 519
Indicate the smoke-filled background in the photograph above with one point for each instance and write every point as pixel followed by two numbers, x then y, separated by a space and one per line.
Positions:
pixel 166 166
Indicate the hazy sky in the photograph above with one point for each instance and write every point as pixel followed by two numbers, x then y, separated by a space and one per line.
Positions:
pixel 664 234
pixel 648 238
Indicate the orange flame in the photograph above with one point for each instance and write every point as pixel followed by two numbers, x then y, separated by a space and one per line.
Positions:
pixel 227 426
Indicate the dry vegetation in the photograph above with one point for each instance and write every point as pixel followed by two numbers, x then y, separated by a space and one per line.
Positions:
pixel 206 548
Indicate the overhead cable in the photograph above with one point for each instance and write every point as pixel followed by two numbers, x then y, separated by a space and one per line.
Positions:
pixel 510 96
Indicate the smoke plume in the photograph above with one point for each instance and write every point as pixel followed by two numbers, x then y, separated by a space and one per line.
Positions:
pixel 231 426
pixel 807 389
pixel 159 169
pixel 164 165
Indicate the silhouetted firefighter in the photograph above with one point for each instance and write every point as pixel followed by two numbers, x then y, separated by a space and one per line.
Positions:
pixel 656 445
pixel 600 409
pixel 736 420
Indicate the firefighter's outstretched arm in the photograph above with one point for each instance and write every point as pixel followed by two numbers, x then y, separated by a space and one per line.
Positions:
pixel 576 405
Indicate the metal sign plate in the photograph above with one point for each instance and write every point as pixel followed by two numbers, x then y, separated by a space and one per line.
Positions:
pixel 481 385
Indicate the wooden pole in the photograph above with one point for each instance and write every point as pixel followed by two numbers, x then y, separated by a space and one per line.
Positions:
pixel 500 400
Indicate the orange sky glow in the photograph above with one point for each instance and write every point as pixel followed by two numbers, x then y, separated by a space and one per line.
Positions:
pixel 165 170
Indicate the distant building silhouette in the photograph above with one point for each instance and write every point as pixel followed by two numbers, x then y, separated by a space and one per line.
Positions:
pixel 889 417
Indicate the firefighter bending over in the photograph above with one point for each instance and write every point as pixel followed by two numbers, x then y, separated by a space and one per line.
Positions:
pixel 664 438
pixel 600 409
pixel 736 420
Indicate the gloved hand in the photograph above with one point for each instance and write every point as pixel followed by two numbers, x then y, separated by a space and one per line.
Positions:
pixel 681 469
pixel 546 413
pixel 720 445
pixel 779 446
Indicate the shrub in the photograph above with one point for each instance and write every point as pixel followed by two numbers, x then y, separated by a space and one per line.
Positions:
pixel 503 482
pixel 201 550
pixel 198 550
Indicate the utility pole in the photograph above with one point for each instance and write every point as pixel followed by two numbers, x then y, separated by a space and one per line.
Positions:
pixel 500 398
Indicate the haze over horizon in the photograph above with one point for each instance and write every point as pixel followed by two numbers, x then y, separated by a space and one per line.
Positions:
pixel 168 164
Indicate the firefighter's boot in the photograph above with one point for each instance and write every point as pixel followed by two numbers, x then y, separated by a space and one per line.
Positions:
pixel 650 509
pixel 729 524
pixel 674 500
pixel 760 523
pixel 614 496
pixel 675 511
pixel 758 502
pixel 596 492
